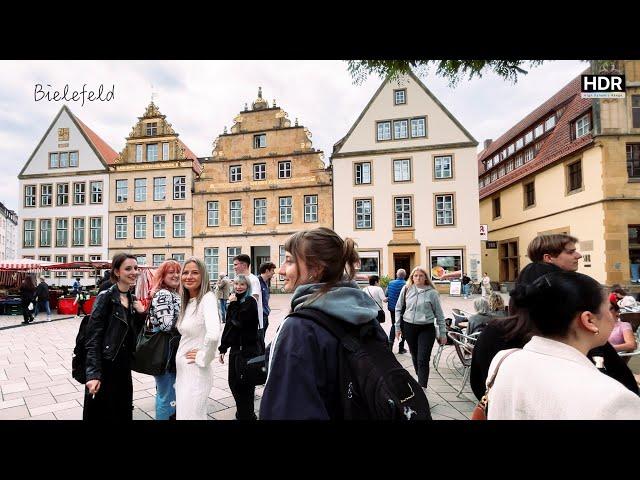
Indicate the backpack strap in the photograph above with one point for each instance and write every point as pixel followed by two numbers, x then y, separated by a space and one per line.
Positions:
pixel 331 325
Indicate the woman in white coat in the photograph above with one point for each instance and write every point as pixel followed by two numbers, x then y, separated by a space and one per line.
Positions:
pixel 551 377
pixel 199 327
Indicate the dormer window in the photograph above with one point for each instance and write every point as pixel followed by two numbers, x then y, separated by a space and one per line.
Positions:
pixel 582 126
pixel 550 123
pixel 152 129
pixel 400 96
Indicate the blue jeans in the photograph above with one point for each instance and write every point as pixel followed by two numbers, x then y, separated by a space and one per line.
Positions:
pixel 165 395
pixel 223 310
pixel 466 289
pixel 46 307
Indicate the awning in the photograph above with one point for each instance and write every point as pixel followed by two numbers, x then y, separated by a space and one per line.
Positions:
pixel 24 264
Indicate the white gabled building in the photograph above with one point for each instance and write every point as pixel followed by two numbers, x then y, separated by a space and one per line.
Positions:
pixel 63 213
pixel 8 233
pixel 405 185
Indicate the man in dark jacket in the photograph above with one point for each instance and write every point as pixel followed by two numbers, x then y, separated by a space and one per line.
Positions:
pixel 393 291
pixel 267 270
pixel 549 253
pixel 42 298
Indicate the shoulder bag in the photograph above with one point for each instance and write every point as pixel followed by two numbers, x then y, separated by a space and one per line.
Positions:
pixel 153 351
pixel 481 409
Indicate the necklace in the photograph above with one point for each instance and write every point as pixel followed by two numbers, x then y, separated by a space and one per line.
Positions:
pixel 123 293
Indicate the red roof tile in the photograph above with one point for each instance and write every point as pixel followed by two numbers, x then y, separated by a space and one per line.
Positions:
pixel 197 167
pixel 108 154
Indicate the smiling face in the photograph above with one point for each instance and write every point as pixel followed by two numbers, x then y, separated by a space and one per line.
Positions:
pixel 191 278
pixel 294 275
pixel 172 278
pixel 239 287
pixel 127 273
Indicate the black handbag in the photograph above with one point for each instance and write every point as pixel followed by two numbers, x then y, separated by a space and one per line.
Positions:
pixel 153 352
pixel 253 370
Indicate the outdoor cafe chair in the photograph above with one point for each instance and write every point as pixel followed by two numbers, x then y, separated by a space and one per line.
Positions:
pixel 464 349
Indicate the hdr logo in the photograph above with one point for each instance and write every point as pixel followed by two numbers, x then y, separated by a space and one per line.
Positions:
pixel 603 86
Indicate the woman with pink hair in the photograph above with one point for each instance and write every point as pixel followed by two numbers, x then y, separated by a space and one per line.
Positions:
pixel 163 315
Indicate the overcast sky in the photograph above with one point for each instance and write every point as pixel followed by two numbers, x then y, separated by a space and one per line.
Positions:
pixel 200 98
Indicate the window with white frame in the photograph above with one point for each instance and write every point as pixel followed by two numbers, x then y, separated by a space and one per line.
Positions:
pixel 281 257
pixel 62 232
pixel 211 262
pixel 96 192
pixel 29 235
pixel 235 210
pixel 179 225
pixel 418 127
pixel 158 258
pixel 165 151
pixel 528 138
pixel 213 214
pixel 152 152
pixel 45 258
pixel 179 188
pixel 45 232
pixel 232 252
pixel 61 259
pixel 402 170
pixel 140 186
pixel 519 143
pixel 310 208
pixel 79 193
pixel 122 191
pixel 494 175
pixel 64 159
pixel 582 126
pixel 78 232
pixel 141 259
pixel 73 159
pixel 444 210
pixel 443 166
pixel 140 226
pixel 178 257
pixel 284 169
pixel 62 198
pixel 259 171
pixel 139 152
pixel 384 131
pixel 509 166
pixel 528 154
pixel 363 173
pixel 400 96
pixel 501 171
pixel 400 129
pixel 260 141
pixel 77 273
pixel 369 263
pixel 402 211
pixel 121 228
pixel 95 258
pixel 519 160
pixel 159 226
pixel 152 129
pixel 159 188
pixel 29 195
pixel 364 213
pixel 46 195
pixel 444 262
pixel 260 211
pixel 286 209
pixel 539 130
pixel 96 231
pixel 53 160
pixel 235 173
pixel 511 149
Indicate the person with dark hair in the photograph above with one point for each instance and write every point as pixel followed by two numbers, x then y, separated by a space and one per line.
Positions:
pixel 76 286
pixel 111 333
pixel 393 291
pixel 42 298
pixel 551 378
pixel 303 374
pixel 375 291
pixel 617 293
pixel 241 335
pixel 106 283
pixel 241 264
pixel 27 292
pixel 223 290
pixel 622 337
pixel 516 330
pixel 267 270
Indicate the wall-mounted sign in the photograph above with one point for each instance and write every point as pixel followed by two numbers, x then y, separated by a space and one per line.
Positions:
pixel 484 232
pixel 63 134
pixel 489 245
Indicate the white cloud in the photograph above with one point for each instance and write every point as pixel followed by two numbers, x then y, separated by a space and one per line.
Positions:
pixel 201 97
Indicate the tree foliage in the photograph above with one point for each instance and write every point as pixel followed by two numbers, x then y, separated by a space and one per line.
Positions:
pixel 453 70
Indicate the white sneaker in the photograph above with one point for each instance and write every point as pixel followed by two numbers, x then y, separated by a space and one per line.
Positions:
pixel 48 319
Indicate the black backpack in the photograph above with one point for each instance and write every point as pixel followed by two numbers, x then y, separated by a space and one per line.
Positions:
pixel 79 356
pixel 373 384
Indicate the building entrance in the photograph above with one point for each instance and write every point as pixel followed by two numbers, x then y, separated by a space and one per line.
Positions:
pixel 402 260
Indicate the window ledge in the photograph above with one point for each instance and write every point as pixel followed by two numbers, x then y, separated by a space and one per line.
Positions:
pixel 634 180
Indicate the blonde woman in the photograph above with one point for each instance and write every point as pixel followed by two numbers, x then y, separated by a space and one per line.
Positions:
pixel 422 312
pixel 496 305
pixel 199 327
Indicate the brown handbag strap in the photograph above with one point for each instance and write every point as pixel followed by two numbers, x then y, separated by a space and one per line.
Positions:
pixel 495 372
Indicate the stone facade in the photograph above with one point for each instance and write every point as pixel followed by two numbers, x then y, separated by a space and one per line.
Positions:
pixel 151 209
pixel 263 182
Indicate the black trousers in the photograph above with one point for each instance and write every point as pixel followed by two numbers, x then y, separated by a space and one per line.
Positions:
pixel 26 314
pixel 392 332
pixel 242 392
pixel 114 400
pixel 421 339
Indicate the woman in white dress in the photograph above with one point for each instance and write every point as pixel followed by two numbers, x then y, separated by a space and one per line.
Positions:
pixel 199 327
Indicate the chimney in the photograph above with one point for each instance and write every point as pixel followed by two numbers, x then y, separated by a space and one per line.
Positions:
pixel 487 142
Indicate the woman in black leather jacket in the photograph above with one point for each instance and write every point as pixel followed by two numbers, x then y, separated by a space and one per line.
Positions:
pixel 241 334
pixel 116 319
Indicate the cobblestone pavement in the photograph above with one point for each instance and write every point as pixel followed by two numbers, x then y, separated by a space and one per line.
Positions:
pixel 36 383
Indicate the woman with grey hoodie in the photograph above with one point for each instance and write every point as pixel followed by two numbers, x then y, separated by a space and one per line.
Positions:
pixel 302 382
pixel 422 311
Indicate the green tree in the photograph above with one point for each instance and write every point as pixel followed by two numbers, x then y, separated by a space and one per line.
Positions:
pixel 453 70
